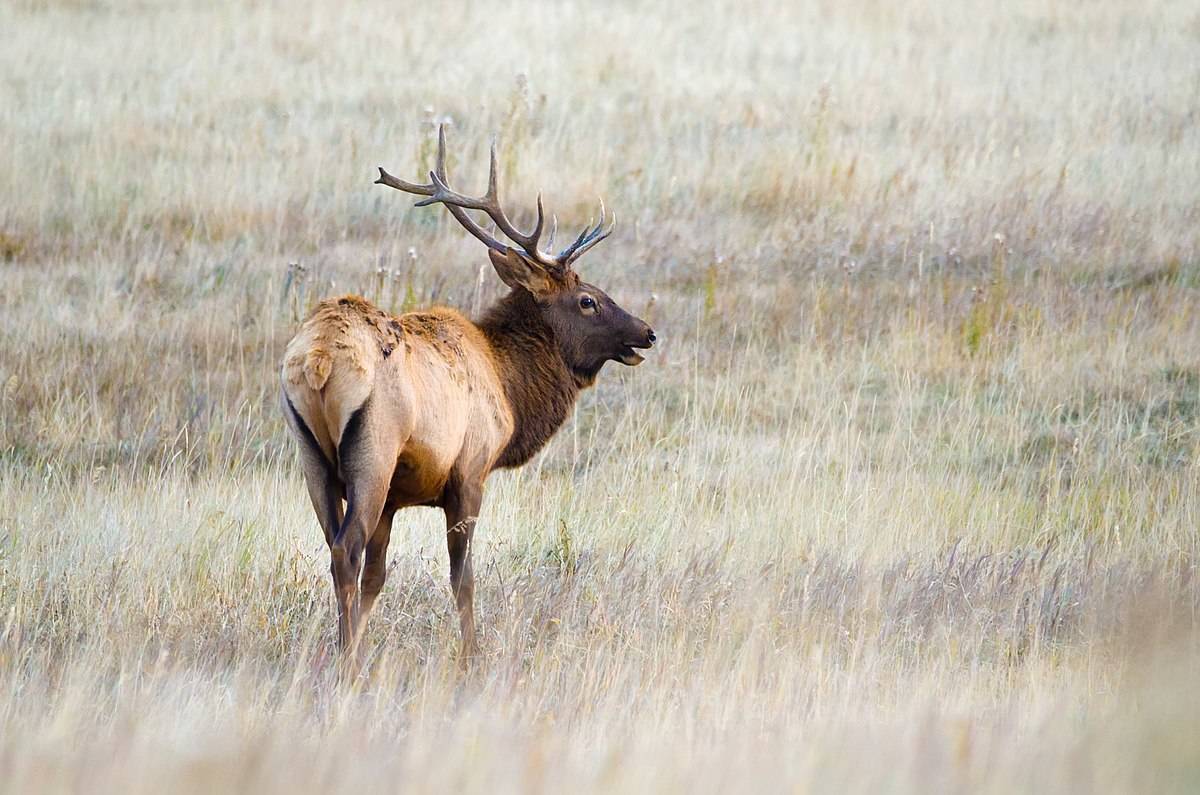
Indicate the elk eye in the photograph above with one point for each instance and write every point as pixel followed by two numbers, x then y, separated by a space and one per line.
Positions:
pixel 587 302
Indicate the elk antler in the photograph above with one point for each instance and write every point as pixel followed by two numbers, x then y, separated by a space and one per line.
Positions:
pixel 439 191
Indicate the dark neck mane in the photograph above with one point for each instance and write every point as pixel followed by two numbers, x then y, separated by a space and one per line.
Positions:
pixel 540 387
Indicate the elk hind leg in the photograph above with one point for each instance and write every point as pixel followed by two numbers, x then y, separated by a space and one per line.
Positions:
pixel 375 567
pixel 367 472
pixel 324 488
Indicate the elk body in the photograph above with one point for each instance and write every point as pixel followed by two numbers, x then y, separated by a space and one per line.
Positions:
pixel 418 409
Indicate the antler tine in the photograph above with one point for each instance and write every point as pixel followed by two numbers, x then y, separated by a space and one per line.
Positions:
pixel 587 232
pixel 490 204
pixel 493 192
pixel 411 187
pixel 440 165
pixel 566 252
pixel 592 241
pixel 399 184
pixel 589 237
pixel 442 192
pixel 536 235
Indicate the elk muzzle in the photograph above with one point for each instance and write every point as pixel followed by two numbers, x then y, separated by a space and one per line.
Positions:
pixel 645 340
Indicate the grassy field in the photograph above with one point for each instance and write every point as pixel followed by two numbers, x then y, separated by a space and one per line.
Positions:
pixel 907 500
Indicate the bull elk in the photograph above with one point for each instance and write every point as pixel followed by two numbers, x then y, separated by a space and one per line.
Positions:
pixel 419 409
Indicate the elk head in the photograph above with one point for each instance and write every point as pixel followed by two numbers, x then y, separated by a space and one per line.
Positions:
pixel 589 327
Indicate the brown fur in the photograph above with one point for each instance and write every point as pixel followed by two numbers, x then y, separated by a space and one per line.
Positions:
pixel 538 385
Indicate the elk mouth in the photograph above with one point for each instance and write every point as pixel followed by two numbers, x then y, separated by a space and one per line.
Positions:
pixel 628 356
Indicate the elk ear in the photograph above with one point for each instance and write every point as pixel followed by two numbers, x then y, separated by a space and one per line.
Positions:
pixel 515 270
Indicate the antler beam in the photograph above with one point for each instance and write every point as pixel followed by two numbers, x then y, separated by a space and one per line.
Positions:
pixel 438 191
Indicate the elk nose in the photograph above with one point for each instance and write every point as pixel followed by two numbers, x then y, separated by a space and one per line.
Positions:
pixel 650 338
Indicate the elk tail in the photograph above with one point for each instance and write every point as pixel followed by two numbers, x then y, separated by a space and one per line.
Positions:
pixel 317 365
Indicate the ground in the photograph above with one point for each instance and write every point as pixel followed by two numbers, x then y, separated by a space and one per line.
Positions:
pixel 907 498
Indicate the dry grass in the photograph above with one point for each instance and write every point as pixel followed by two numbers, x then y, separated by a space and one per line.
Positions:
pixel 908 501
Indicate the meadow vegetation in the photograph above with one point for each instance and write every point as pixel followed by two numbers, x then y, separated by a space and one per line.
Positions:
pixel 906 499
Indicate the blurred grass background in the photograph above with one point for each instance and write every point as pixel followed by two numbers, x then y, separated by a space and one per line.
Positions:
pixel 906 499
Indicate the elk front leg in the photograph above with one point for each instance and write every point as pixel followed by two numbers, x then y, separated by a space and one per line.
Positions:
pixel 462 504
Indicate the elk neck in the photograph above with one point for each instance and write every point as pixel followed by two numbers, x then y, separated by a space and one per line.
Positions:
pixel 539 385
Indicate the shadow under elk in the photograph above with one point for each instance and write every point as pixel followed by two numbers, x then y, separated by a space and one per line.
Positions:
pixel 418 409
